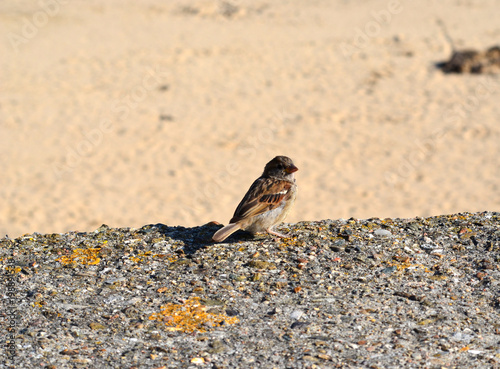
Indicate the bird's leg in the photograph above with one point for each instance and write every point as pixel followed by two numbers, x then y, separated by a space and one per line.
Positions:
pixel 277 234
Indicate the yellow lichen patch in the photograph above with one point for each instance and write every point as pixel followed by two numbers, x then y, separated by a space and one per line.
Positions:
pixel 172 259
pixel 13 270
pixel 142 256
pixel 190 316
pixel 291 242
pixel 407 264
pixel 82 256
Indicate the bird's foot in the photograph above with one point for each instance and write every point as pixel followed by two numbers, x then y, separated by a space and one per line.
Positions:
pixel 277 234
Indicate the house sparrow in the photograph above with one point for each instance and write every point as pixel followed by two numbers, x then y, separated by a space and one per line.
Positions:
pixel 267 202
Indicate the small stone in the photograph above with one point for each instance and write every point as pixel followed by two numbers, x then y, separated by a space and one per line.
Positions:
pixel 324 356
pixel 389 270
pixel 417 356
pixel 296 314
pixel 211 302
pixel 96 326
pixel 426 321
pixel 382 232
pixel 401 259
pixel 481 275
pixel 296 325
pixel 82 361
pixel 272 312
pixel 232 312
pixel 475 352
pixel 216 347
pixel 260 264
pixel 69 352
pixel 428 246
pixel 155 336
pixel 280 284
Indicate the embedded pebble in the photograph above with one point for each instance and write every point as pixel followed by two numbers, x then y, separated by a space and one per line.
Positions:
pixel 382 232
pixel 296 314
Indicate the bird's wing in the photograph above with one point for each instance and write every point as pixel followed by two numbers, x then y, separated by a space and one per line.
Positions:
pixel 265 194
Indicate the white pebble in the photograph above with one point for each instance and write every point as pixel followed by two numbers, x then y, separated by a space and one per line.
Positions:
pixel 382 232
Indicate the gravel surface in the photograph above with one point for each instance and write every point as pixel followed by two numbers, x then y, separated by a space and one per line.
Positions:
pixel 391 293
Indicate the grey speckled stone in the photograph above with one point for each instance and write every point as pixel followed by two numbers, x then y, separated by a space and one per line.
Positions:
pixel 410 293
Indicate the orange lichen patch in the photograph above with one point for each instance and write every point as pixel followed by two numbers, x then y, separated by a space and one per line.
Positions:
pixel 170 258
pixel 190 316
pixel 82 256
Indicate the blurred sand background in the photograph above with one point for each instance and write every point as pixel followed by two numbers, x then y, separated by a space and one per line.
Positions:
pixel 135 112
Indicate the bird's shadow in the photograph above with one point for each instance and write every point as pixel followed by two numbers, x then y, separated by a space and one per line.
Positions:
pixel 195 238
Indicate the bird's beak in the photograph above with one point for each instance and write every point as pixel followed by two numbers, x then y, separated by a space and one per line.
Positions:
pixel 291 169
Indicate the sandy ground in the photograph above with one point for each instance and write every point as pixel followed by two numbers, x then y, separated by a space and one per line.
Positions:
pixel 128 113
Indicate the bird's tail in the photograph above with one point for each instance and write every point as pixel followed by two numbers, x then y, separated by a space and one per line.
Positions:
pixel 225 232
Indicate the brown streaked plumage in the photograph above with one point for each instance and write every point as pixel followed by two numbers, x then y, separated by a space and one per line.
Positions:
pixel 267 202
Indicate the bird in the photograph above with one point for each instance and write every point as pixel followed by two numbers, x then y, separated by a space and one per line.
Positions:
pixel 267 202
